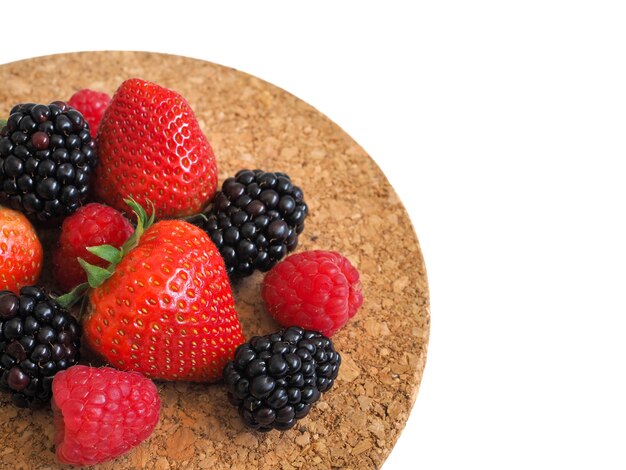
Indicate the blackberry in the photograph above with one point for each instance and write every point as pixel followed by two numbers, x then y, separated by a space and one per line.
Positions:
pixel 274 379
pixel 255 220
pixel 38 338
pixel 47 157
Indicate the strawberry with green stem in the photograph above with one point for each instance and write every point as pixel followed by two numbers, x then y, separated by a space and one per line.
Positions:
pixel 163 306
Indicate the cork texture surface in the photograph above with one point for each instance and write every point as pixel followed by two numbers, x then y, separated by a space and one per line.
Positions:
pixel 353 209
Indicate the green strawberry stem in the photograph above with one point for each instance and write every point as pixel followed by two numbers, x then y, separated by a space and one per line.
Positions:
pixel 106 252
pixel 72 297
pixel 97 275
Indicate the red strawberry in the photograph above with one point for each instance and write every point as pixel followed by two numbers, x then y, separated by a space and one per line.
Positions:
pixel 91 225
pixel 91 105
pixel 167 309
pixel 101 413
pixel 21 255
pixel 316 290
pixel 151 147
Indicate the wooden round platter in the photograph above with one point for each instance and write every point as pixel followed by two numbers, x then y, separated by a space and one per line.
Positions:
pixel 353 210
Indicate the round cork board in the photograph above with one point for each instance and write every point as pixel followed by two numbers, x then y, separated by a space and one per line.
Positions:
pixel 353 209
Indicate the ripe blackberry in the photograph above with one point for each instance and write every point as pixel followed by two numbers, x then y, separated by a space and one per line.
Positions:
pixel 255 220
pixel 47 157
pixel 38 338
pixel 274 379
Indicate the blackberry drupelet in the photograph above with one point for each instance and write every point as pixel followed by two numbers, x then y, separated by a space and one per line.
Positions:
pixel 38 338
pixel 47 157
pixel 255 220
pixel 327 362
pixel 274 379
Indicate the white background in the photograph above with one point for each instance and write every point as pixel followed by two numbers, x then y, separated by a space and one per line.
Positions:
pixel 501 125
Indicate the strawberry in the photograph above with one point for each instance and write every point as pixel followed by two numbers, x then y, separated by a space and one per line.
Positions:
pixel 151 147
pixel 166 308
pixel 21 254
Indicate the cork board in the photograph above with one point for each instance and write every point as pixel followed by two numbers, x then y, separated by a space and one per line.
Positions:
pixel 353 209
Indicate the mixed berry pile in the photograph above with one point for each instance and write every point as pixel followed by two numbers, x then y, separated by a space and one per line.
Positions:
pixel 147 252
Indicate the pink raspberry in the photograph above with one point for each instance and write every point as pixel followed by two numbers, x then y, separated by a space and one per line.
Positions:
pixel 101 413
pixel 91 105
pixel 91 225
pixel 315 290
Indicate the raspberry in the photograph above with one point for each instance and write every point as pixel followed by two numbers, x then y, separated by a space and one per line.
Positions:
pixel 101 413
pixel 316 290
pixel 92 105
pixel 92 225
